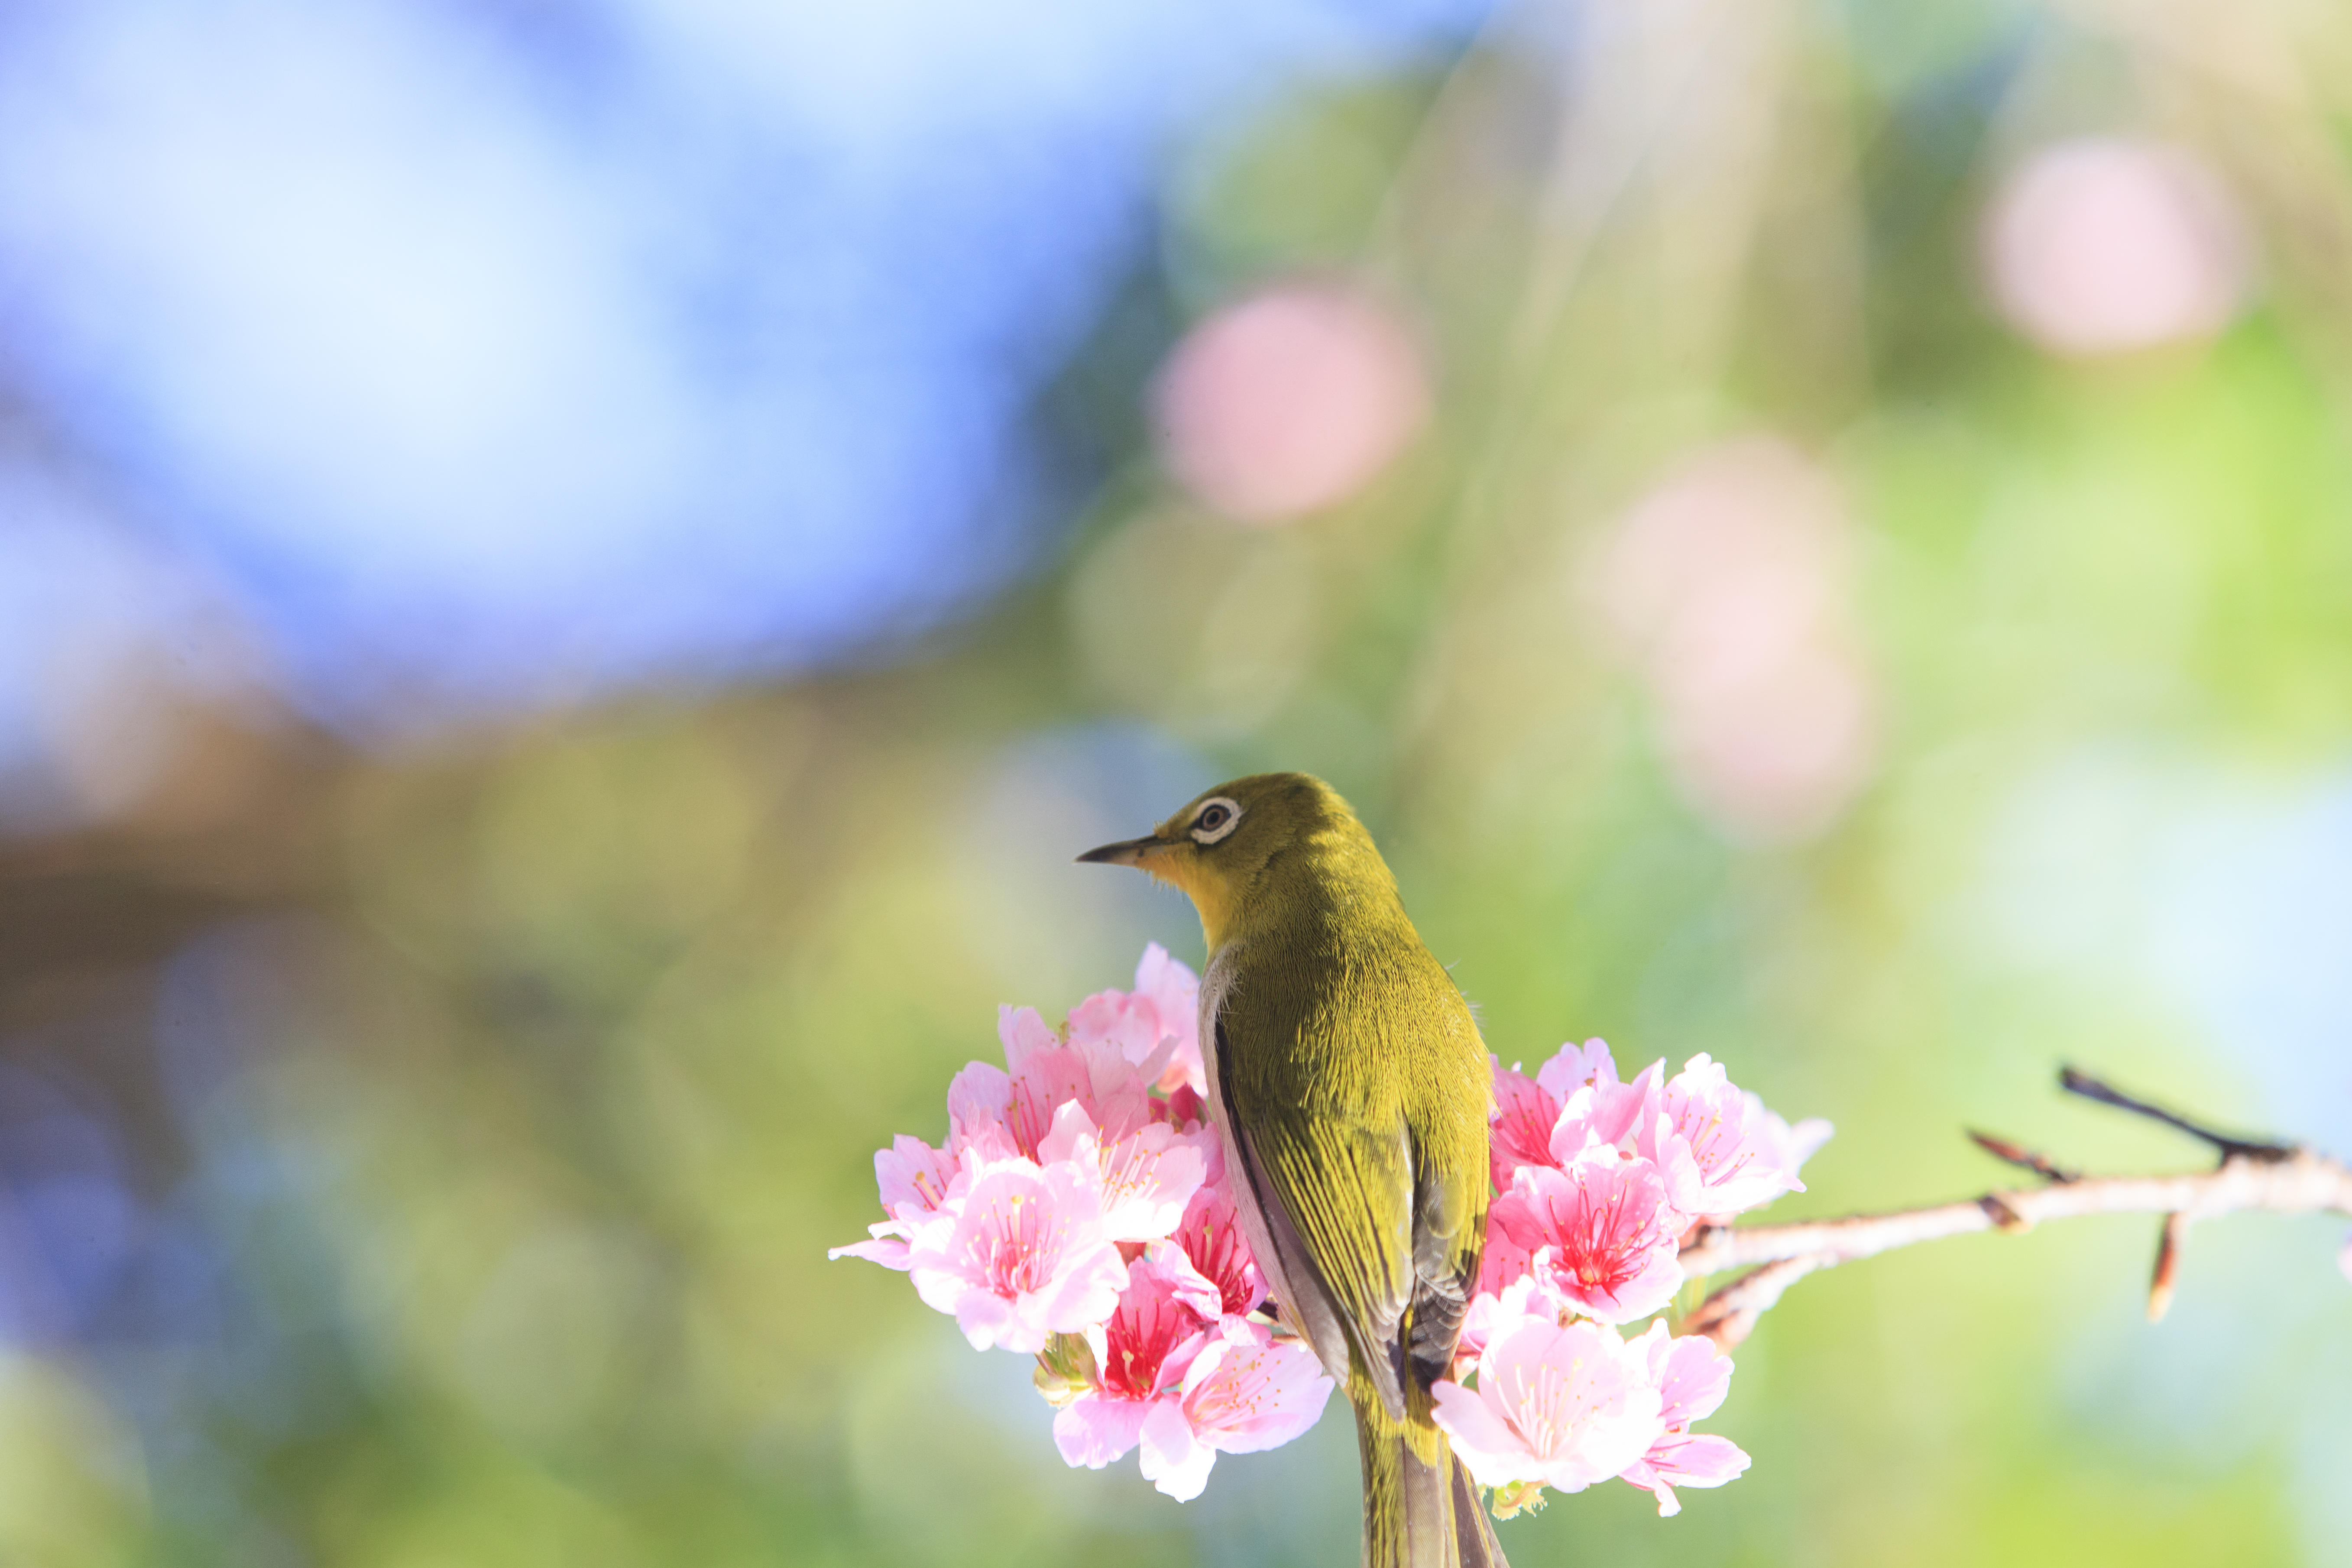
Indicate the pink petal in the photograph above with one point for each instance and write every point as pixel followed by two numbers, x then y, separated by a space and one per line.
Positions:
pixel 979 1100
pixel 1692 1377
pixel 913 1176
pixel 1149 1178
pixel 1701 1461
pixel 1024 1033
pixel 1024 1256
pixel 1716 1144
pixel 1176 993
pixel 1599 1232
pixel 889 1251
pixel 1247 1391
pixel 1173 1459
pixel 1045 1081
pixel 1579 1398
pixel 990 1320
pixel 1093 1430
pixel 1603 1113
pixel 1524 1117
pixel 1575 1066
pixel 1496 1455
pixel 1154 1336
pixel 1212 1240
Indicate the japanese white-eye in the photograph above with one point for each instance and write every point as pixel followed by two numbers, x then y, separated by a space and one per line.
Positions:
pixel 1350 1087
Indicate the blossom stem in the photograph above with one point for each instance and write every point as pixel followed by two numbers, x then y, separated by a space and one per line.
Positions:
pixel 2277 1178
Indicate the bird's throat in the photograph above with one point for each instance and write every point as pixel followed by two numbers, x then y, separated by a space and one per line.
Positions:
pixel 1213 898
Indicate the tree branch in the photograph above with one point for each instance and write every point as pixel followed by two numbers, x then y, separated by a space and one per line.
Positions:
pixel 2277 1178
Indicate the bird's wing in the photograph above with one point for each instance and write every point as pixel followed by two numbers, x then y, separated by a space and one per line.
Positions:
pixel 1338 1196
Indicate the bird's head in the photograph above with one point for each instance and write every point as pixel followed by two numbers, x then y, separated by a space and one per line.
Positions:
pixel 1222 845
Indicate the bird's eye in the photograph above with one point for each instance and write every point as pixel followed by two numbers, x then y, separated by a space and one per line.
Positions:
pixel 1216 819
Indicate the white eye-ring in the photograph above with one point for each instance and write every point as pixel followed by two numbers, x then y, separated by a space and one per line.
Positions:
pixel 1218 815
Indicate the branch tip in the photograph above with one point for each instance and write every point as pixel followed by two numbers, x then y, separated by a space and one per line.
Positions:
pixel 2073 1080
pixel 2169 1244
pixel 2017 1155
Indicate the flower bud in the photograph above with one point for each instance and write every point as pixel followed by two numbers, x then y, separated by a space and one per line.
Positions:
pixel 1065 1369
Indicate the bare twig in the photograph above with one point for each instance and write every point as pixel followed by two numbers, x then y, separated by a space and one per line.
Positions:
pixel 2075 1081
pixel 2253 1175
pixel 2017 1155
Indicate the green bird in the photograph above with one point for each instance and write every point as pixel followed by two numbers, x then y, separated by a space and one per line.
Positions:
pixel 1350 1087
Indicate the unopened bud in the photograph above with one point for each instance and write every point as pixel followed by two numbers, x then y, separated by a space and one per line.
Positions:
pixel 1065 1369
pixel 1515 1497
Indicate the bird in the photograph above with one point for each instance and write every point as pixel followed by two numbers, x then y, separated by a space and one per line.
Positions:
pixel 1350 1090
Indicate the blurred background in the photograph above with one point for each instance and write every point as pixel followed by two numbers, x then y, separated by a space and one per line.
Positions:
pixel 573 572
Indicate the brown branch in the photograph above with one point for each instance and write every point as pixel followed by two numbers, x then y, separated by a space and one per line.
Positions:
pixel 2272 1177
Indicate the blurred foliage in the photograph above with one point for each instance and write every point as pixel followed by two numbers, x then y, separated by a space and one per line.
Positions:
pixel 506 1144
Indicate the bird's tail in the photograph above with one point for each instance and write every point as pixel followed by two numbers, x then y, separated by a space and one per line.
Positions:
pixel 1421 1509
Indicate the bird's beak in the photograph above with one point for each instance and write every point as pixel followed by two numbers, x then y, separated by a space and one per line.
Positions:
pixel 1132 852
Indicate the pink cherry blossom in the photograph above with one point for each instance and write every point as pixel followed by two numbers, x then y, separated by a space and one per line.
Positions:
pixel 1574 1099
pixel 1494 1312
pixel 1524 1117
pixel 1147 1177
pixel 1603 1114
pixel 1143 1352
pixel 1155 1028
pixel 1599 1233
pixel 1009 1112
pixel 1714 1145
pixel 915 1180
pixel 1565 1407
pixel 1692 1377
pixel 1022 1256
pixel 1786 1146
pixel 1245 1391
pixel 980 1100
pixel 1211 1245
pixel 1575 1066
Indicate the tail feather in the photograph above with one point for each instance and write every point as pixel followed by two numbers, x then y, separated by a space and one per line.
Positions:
pixel 1421 1509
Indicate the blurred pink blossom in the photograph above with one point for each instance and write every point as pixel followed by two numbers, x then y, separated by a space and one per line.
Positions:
pixel 1598 1233
pixel 1024 1254
pixel 1564 1406
pixel 1289 400
pixel 1727 587
pixel 1691 1376
pixel 2106 245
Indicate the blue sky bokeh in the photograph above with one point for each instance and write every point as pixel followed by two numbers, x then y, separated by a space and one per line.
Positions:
pixel 491 355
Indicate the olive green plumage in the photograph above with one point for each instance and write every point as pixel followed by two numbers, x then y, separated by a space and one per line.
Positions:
pixel 1351 1089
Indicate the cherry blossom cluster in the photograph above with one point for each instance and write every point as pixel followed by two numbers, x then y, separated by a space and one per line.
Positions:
pixel 1597 1182
pixel 1080 1213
